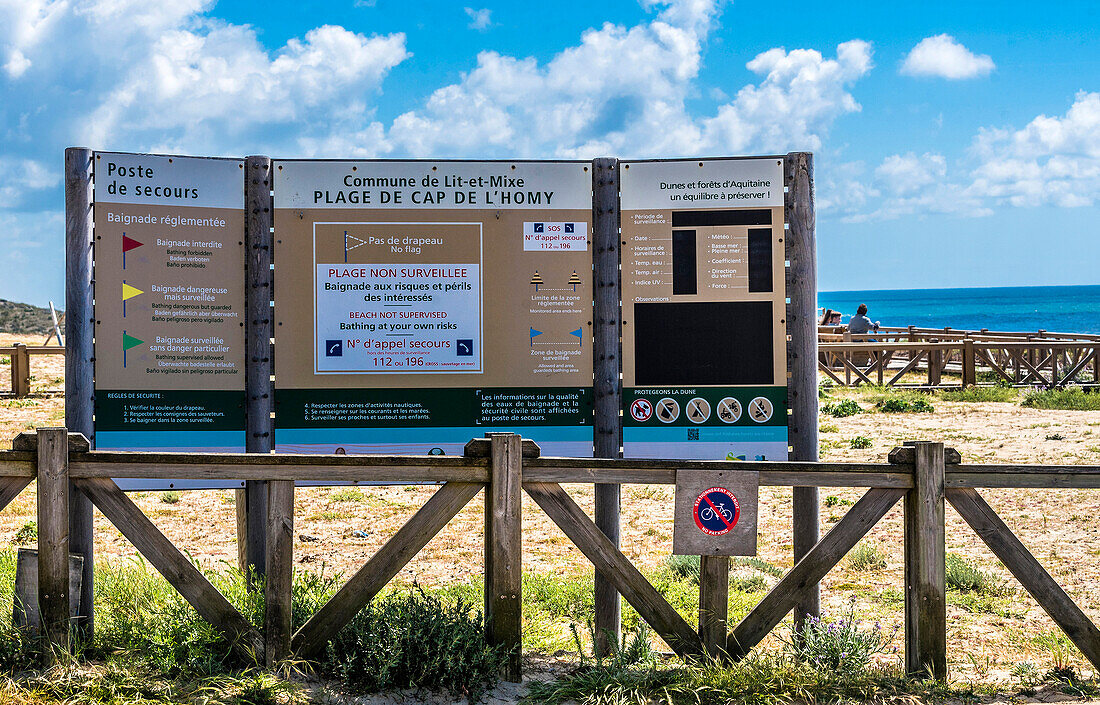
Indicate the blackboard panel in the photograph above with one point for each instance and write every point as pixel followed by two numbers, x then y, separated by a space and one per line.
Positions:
pixel 695 219
pixel 717 342
pixel 760 259
pixel 684 280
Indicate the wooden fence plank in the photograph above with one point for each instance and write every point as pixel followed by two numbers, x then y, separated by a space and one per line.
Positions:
pixel 925 587
pixel 10 487
pixel 1036 580
pixel 714 591
pixel 504 552
pixel 53 538
pixel 280 570
pixel 176 568
pixel 863 515
pixel 616 568
pixel 20 371
pixel 382 566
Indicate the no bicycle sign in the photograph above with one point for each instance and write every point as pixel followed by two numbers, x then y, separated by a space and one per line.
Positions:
pixel 715 513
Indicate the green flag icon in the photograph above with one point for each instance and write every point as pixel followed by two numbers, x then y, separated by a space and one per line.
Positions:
pixel 129 341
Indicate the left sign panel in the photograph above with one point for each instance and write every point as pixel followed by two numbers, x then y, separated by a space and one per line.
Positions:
pixel 169 303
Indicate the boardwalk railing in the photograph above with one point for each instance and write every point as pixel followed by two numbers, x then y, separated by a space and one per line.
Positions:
pixel 924 475
pixel 19 357
pixel 1048 363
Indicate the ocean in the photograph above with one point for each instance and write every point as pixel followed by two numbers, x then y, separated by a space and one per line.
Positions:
pixel 1063 309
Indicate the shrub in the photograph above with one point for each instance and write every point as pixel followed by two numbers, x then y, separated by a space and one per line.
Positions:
pixel 415 640
pixel 683 567
pixel 349 494
pixel 903 405
pixel 1070 398
pixel 841 647
pixel 170 497
pixel 966 577
pixel 834 501
pixel 28 533
pixel 980 394
pixel 847 407
pixel 860 442
pixel 866 556
pixel 759 564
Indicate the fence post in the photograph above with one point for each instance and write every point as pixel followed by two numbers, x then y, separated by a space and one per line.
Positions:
pixel 801 282
pixel 608 386
pixel 969 364
pixel 252 513
pixel 280 570
pixel 503 550
pixel 935 364
pixel 714 590
pixel 20 371
pixel 80 359
pixel 925 553
pixel 53 538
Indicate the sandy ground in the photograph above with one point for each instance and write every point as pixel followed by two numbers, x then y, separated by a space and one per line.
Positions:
pixel 338 530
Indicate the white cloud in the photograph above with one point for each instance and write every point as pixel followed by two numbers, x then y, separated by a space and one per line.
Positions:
pixel 941 56
pixel 622 90
pixel 1053 160
pixel 481 19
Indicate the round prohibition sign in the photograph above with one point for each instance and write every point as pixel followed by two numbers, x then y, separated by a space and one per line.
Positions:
pixel 641 410
pixel 716 511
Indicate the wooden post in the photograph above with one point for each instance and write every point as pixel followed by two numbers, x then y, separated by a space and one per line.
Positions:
pixel 503 550
pixel 608 384
pixel 79 358
pixel 935 365
pixel 925 553
pixel 801 281
pixel 969 371
pixel 280 570
pixel 20 372
pixel 53 538
pixel 714 590
pixel 259 397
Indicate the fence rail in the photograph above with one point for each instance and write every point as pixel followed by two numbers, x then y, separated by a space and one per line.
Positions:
pixel 19 359
pixel 1048 363
pixel 925 475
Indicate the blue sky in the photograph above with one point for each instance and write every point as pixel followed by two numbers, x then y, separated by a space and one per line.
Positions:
pixel 957 144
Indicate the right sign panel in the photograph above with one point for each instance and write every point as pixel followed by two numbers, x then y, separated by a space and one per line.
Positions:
pixel 704 309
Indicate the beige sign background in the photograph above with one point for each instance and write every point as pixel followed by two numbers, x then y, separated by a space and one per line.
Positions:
pixel 180 282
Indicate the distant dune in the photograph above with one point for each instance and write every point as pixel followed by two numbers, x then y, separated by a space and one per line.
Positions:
pixel 25 318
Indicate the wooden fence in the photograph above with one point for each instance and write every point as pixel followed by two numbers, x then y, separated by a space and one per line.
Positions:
pixel 19 356
pixel 1043 362
pixel 924 475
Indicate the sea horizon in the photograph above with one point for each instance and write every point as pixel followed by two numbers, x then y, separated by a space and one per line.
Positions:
pixel 1064 309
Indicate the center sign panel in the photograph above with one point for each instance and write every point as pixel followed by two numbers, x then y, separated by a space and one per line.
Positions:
pixel 704 308
pixel 421 304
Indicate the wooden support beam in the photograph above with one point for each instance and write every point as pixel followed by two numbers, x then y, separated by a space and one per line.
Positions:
pixel 259 328
pixel 607 389
pixel 20 371
pixel 382 566
pixel 1022 564
pixel 80 358
pixel 280 570
pixel 809 571
pixel 504 552
pixel 969 371
pixel 925 586
pixel 616 568
pixel 714 591
pixel 53 538
pixel 10 487
pixel 800 245
pixel 176 568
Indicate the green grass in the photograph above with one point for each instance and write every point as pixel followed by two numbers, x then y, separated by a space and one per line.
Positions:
pixel 980 394
pixel 170 497
pixel 860 442
pixel 866 556
pixel 348 494
pixel 964 576
pixel 840 409
pixel 1070 398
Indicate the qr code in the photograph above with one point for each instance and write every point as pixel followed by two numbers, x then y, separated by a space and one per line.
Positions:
pixel 693 434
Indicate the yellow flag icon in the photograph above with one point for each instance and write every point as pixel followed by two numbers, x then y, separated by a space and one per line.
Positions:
pixel 129 292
